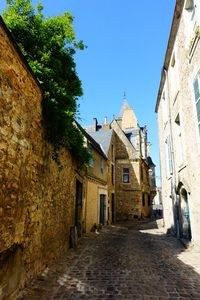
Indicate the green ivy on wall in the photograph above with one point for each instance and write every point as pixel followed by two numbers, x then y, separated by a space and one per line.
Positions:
pixel 48 45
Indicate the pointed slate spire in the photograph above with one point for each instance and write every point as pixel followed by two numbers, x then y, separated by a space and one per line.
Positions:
pixel 124 106
pixel 127 115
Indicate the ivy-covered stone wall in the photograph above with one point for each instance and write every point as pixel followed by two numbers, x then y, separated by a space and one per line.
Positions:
pixel 36 195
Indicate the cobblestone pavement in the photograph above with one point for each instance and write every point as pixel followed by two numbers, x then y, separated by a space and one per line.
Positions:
pixel 125 261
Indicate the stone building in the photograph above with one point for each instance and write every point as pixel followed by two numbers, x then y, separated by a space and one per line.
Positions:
pixel 178 112
pixel 96 206
pixel 134 194
pixel 104 136
pixel 37 198
pixel 125 144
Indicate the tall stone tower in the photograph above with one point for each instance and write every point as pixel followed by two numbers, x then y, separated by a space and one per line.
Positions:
pixel 132 182
pixel 127 115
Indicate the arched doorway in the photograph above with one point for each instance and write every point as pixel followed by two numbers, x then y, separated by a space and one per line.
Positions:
pixel 184 213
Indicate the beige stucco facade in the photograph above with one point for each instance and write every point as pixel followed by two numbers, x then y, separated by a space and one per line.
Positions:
pixel 94 190
pixel 96 208
pixel 179 138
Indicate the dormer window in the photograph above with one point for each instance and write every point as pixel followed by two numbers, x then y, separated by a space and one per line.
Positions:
pixel 173 60
pixel 189 5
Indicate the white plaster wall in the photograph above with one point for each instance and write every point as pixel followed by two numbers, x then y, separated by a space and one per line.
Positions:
pixel 182 102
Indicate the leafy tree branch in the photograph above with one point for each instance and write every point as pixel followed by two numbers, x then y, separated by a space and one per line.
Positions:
pixel 49 45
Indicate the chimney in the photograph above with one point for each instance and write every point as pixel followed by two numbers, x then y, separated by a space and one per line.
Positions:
pixel 105 121
pixel 95 124
pixel 106 125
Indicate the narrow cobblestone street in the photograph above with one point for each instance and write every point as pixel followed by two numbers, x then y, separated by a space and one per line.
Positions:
pixel 124 261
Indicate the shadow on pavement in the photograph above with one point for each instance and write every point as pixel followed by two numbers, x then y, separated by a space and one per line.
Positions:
pixel 139 224
pixel 125 261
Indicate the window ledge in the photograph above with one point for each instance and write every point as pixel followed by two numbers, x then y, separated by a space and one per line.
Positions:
pixel 165 124
pixel 169 177
pixel 181 167
pixel 176 96
pixel 193 47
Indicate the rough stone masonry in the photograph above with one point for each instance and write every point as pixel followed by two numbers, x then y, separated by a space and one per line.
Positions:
pixel 36 196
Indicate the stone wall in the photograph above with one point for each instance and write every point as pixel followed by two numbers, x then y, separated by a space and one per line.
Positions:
pixel 36 196
pixel 111 180
pixel 128 195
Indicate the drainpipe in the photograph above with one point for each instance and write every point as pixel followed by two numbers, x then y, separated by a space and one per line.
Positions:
pixel 173 179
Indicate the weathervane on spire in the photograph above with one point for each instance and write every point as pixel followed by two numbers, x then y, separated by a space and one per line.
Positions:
pixel 124 105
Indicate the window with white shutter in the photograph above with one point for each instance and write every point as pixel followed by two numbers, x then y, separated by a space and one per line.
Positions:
pixel 168 157
pixel 197 97
pixel 179 142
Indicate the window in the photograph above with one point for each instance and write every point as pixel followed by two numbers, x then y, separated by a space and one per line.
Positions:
pixel 179 141
pixel 189 5
pixel 149 200
pixel 168 156
pixel 91 162
pixel 197 97
pixel 141 173
pixel 173 61
pixel 191 19
pixel 102 166
pixel 112 173
pixel 112 153
pixel 174 78
pixel 164 108
pixel 143 199
pixel 126 175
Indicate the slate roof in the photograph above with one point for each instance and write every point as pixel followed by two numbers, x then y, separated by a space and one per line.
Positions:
pixel 131 135
pixel 102 137
pixel 93 142
pixel 125 106
pixel 150 162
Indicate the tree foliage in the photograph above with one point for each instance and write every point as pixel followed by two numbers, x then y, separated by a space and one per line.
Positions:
pixel 49 45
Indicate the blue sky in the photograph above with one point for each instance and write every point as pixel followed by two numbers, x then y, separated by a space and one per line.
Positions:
pixel 126 43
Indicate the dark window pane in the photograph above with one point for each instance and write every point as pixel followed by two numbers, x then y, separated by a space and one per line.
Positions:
pixel 196 90
pixel 143 199
pixel 169 154
pixel 149 200
pixel 125 178
pixel 112 173
pixel 198 110
pixel 125 170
